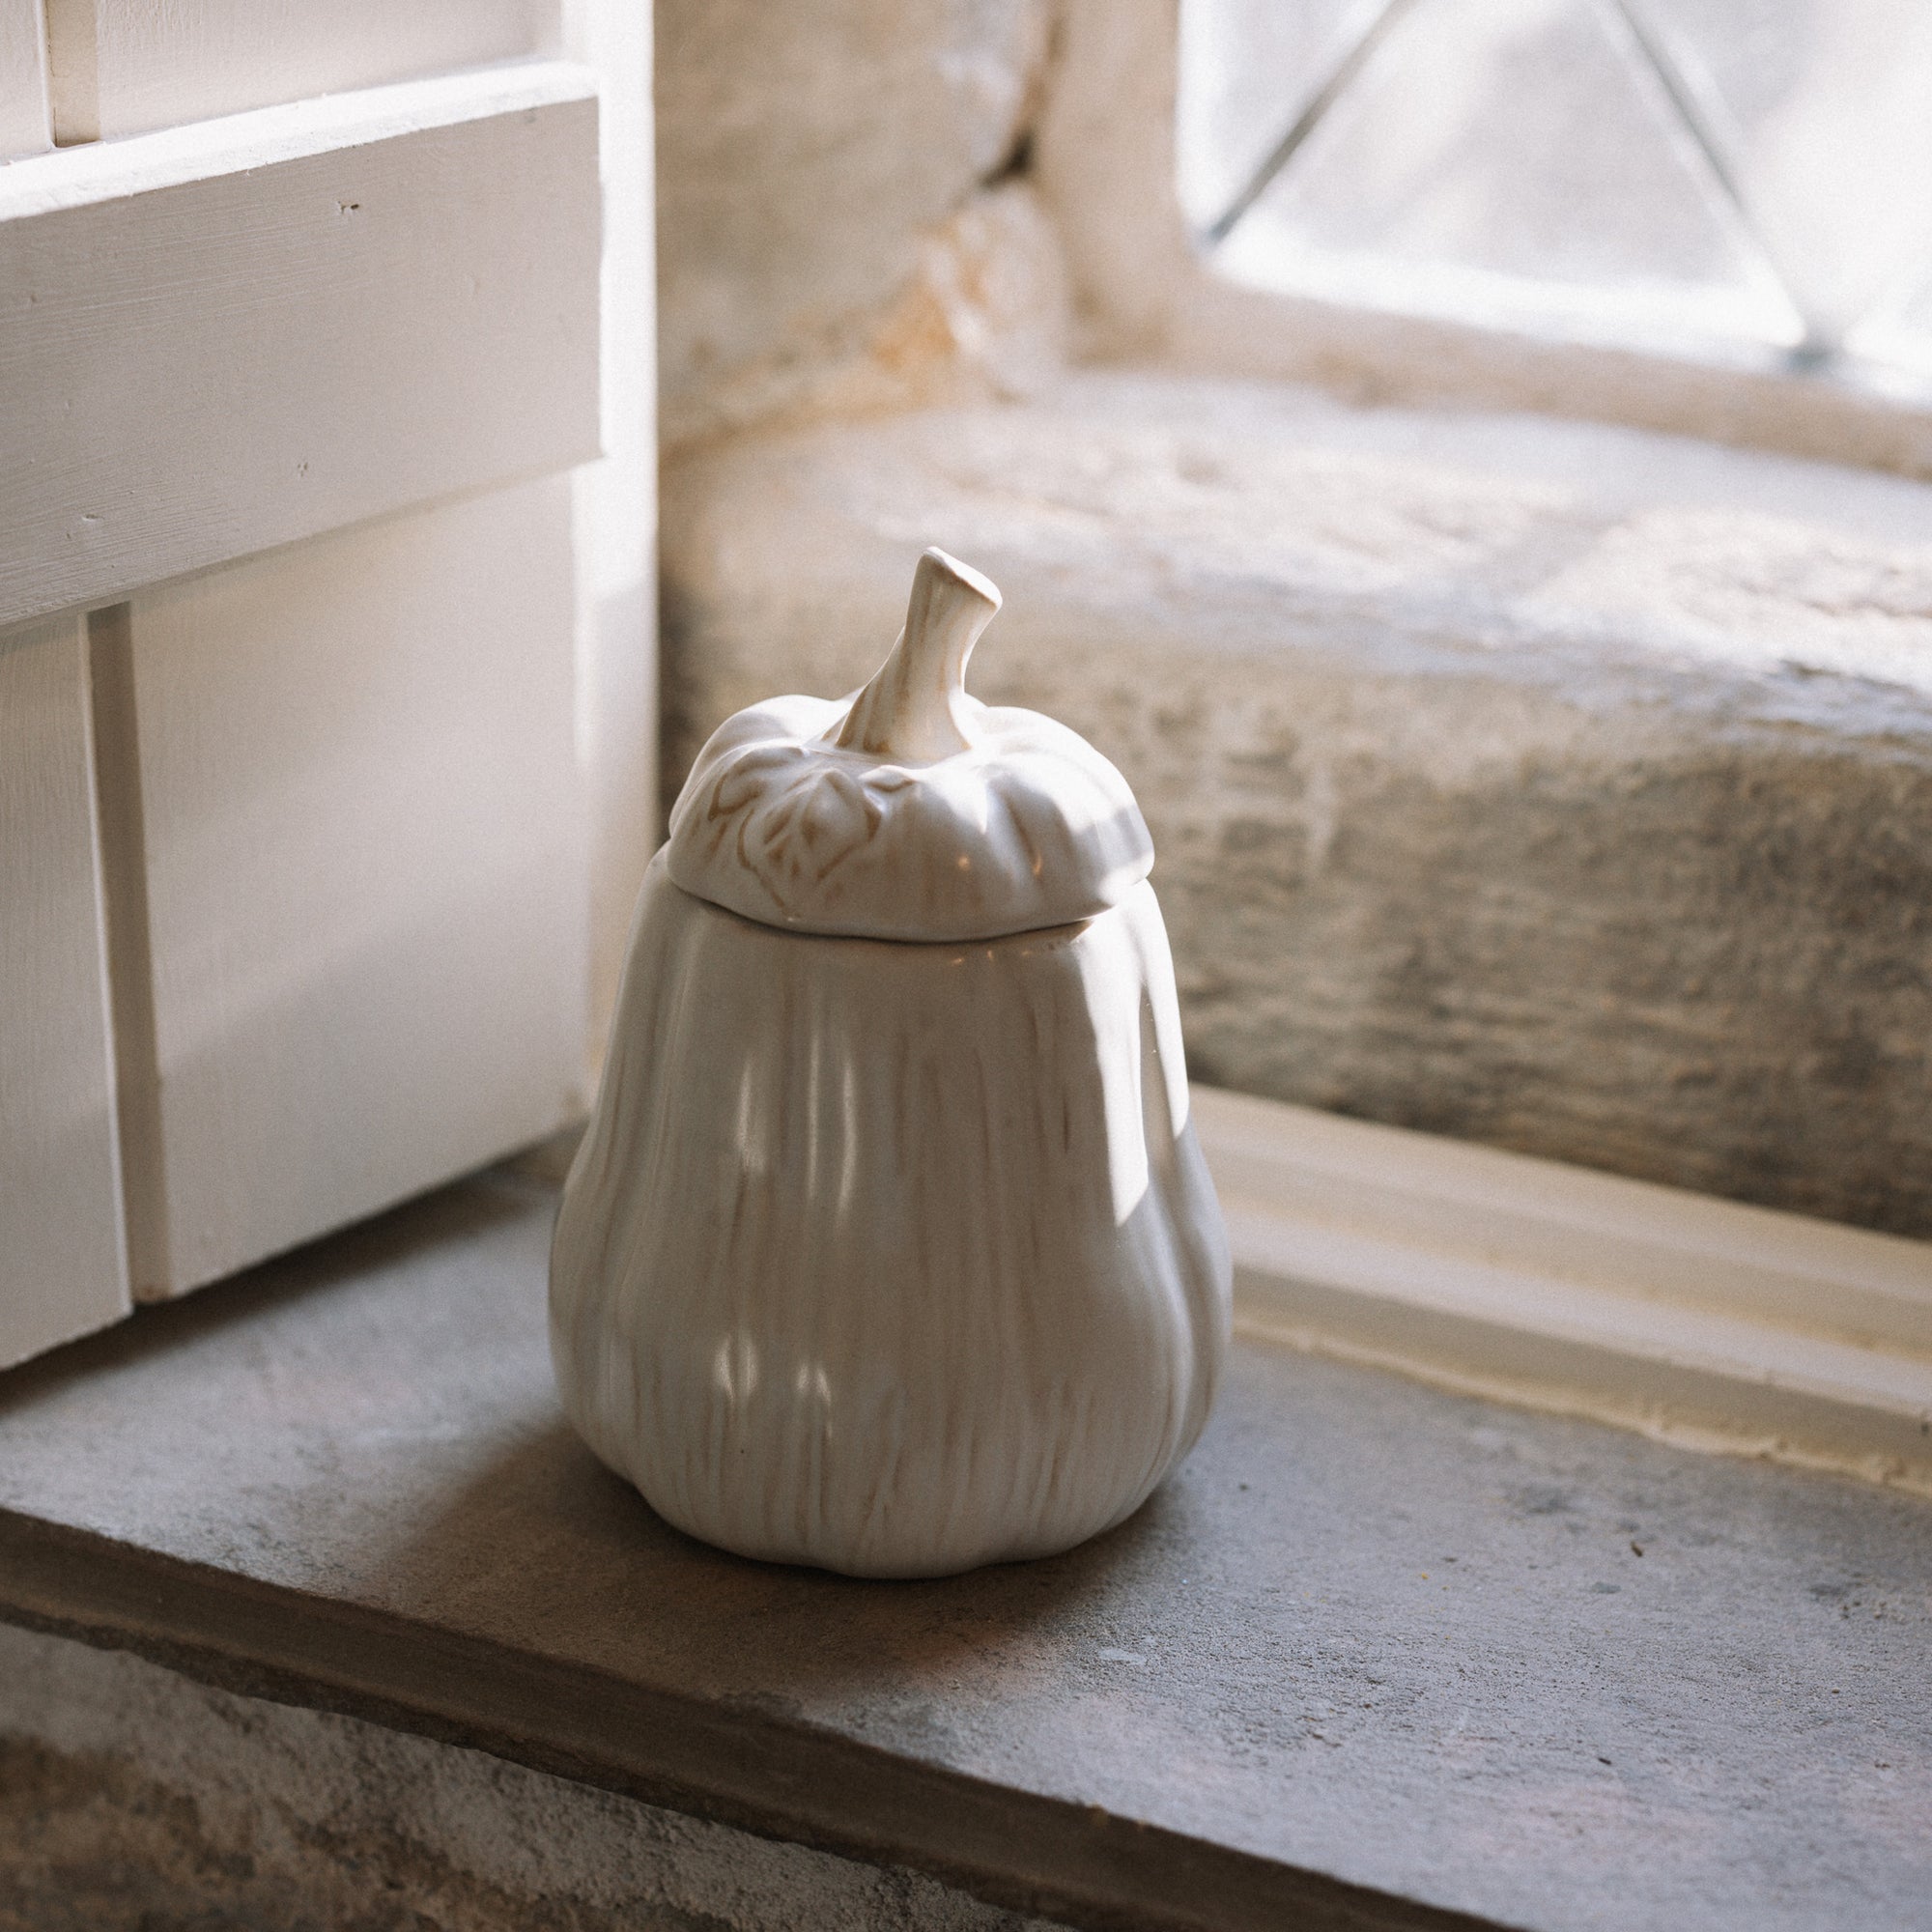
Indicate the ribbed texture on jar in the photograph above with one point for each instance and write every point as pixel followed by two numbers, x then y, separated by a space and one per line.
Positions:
pixel 891 1258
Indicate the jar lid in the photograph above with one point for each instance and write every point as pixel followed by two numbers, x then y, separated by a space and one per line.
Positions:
pixel 909 810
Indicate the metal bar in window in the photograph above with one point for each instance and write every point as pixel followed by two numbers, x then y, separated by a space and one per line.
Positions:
pixel 1686 97
pixel 1348 63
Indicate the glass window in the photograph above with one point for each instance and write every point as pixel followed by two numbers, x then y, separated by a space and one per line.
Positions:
pixel 1728 178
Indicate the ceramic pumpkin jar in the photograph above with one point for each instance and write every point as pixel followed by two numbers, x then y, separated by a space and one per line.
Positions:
pixel 890 1247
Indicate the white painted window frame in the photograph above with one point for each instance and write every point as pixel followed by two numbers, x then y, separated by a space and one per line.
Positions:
pixel 1698 1320
pixel 1690 1317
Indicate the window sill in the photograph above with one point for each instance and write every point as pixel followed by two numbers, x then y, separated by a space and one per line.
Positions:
pixel 1375 1656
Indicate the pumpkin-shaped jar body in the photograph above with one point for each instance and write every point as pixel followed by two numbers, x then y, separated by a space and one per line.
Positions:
pixel 891 1256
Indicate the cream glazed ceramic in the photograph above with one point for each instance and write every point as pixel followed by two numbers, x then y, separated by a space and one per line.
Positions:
pixel 890 1247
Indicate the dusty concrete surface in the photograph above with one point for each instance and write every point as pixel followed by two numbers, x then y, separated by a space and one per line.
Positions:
pixel 132 1798
pixel 1371 1645
pixel 1552 786
pixel 844 221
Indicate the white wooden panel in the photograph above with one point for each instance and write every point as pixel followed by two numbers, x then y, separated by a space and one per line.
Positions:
pixel 23 85
pixel 61 1265
pixel 366 882
pixel 232 335
pixel 616 502
pixel 126 67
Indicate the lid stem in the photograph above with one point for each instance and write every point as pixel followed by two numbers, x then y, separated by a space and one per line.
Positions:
pixel 908 711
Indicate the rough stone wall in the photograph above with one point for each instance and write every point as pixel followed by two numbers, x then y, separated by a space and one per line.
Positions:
pixel 1554 787
pixel 844 218
pixel 132 1800
pixel 1563 789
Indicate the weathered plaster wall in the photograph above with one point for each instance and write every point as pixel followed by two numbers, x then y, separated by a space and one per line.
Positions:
pixel 132 1800
pixel 844 221
pixel 1557 786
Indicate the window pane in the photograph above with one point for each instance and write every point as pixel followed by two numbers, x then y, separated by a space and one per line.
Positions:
pixel 1899 333
pixel 1827 106
pixel 1247 67
pixel 1688 172
pixel 1517 158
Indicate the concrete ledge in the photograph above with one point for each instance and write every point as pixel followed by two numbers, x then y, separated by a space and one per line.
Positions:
pixel 1551 785
pixel 1375 1657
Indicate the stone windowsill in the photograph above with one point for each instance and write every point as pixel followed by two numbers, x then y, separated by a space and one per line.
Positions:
pixel 1376 1654
pixel 1549 785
